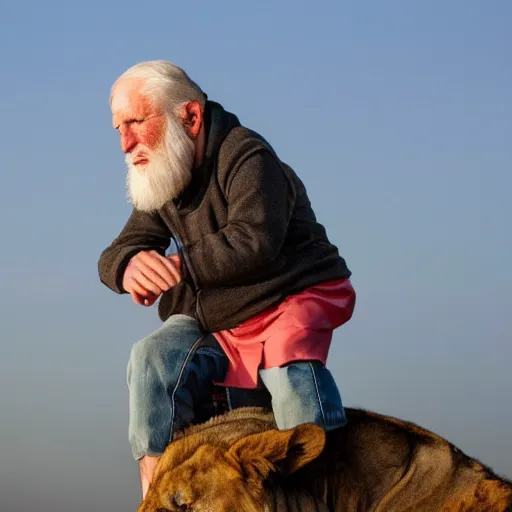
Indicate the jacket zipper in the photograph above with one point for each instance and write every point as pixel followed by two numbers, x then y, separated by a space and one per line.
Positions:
pixel 184 256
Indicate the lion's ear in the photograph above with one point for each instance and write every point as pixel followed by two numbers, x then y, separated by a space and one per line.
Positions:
pixel 286 450
pixel 306 444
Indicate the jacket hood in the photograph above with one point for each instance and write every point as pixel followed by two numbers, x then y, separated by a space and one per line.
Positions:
pixel 218 123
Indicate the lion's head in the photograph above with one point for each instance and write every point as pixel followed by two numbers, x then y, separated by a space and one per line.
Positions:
pixel 206 476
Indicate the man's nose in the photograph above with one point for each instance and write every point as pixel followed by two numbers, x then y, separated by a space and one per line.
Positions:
pixel 128 139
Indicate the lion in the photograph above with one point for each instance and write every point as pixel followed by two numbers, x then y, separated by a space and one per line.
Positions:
pixel 240 462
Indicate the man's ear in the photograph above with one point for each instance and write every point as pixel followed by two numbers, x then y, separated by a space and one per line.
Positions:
pixel 272 450
pixel 191 116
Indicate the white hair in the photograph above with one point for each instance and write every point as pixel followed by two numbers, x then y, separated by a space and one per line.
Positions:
pixel 164 83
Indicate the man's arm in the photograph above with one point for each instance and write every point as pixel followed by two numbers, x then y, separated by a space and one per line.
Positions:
pixel 142 231
pixel 260 203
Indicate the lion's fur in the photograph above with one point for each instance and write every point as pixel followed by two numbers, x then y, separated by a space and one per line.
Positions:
pixel 375 463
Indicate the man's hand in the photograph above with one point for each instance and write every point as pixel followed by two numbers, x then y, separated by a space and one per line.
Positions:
pixel 149 274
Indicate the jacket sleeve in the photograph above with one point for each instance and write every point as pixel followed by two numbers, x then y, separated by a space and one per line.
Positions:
pixel 142 231
pixel 260 201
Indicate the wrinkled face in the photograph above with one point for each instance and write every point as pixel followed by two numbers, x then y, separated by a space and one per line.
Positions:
pixel 199 477
pixel 159 153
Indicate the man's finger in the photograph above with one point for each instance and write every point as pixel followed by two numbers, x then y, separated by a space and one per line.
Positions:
pixel 137 298
pixel 150 300
pixel 156 263
pixel 153 272
pixel 132 286
pixel 172 266
pixel 147 284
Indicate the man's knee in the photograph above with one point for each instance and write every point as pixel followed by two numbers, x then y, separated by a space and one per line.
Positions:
pixel 304 392
pixel 171 342
pixel 284 381
pixel 149 350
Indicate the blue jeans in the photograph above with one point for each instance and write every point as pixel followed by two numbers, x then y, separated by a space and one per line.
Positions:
pixel 172 371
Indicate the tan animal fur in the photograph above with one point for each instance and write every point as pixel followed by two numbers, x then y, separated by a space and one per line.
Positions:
pixel 239 462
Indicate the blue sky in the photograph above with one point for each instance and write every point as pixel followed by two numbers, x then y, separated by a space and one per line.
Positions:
pixel 398 117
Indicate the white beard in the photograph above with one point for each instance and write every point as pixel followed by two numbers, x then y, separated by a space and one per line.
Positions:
pixel 167 173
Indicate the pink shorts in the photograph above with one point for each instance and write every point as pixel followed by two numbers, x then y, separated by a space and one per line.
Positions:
pixel 298 329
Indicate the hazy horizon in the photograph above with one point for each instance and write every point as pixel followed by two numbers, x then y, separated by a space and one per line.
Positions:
pixel 398 118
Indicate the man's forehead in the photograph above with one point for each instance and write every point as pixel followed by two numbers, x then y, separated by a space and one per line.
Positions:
pixel 127 95
pixel 128 102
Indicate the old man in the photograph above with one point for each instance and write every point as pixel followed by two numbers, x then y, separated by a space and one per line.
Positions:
pixel 252 295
